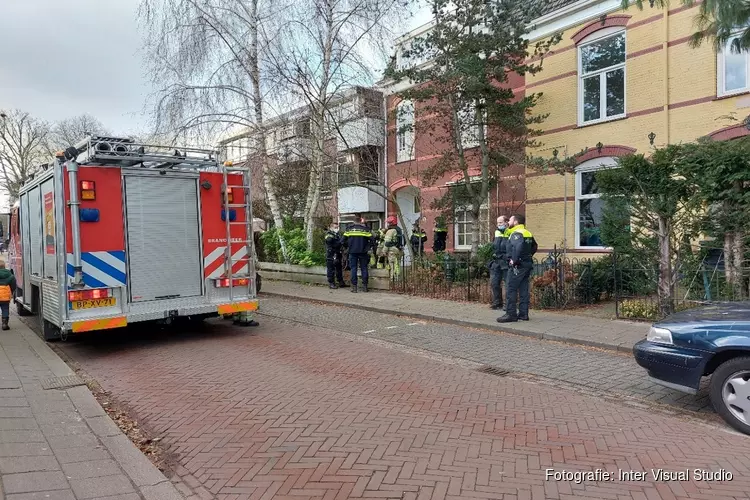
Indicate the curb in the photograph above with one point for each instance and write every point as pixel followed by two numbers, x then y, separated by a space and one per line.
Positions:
pixel 623 349
pixel 148 480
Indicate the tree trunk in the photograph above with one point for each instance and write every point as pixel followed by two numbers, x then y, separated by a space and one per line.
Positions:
pixel 475 227
pixel 317 125
pixel 729 273
pixel 665 286
pixel 261 136
pixel 738 257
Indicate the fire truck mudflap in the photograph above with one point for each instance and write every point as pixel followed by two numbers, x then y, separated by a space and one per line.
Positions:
pixel 105 239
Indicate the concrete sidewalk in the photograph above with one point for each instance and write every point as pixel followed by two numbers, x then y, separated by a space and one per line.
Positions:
pixel 607 334
pixel 56 441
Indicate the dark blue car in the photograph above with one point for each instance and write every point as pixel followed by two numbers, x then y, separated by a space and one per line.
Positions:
pixel 712 340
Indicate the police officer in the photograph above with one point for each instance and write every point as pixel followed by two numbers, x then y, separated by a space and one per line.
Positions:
pixel 499 263
pixel 358 239
pixel 520 246
pixel 334 256
pixel 440 236
pixel 417 240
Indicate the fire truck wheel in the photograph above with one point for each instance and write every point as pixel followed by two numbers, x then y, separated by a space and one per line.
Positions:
pixel 22 311
pixel 50 332
pixel 258 283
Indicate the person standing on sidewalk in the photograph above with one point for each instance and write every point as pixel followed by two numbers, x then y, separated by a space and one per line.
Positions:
pixel 440 236
pixel 358 239
pixel 521 247
pixel 417 240
pixel 394 244
pixel 334 256
pixel 381 255
pixel 7 288
pixel 499 263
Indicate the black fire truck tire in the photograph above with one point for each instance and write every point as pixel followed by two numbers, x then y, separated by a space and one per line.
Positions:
pixel 20 309
pixel 258 283
pixel 49 332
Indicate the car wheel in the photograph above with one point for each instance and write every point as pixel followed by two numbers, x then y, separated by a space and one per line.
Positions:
pixel 730 393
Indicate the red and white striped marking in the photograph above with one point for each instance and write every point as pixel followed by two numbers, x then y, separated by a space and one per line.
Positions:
pixel 213 263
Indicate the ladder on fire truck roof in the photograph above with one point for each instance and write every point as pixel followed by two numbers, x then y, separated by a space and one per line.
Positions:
pixel 124 152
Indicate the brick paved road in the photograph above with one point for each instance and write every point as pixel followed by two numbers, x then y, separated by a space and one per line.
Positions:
pixel 286 411
pixel 603 371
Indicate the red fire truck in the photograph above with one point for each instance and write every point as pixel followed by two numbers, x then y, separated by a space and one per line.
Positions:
pixel 114 232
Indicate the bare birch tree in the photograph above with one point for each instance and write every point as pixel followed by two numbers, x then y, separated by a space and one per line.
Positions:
pixel 322 51
pixel 208 58
pixel 22 149
pixel 66 133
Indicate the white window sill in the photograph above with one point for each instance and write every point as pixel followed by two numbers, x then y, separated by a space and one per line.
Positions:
pixel 594 249
pixel 403 160
pixel 602 120
pixel 733 93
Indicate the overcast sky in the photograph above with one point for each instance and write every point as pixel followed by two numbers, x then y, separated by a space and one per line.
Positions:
pixel 63 58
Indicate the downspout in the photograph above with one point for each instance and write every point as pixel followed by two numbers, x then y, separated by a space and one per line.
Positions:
pixel 75 225
pixel 385 158
pixel 665 63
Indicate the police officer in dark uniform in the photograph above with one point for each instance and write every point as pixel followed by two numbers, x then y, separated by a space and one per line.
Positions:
pixel 521 246
pixel 499 263
pixel 334 257
pixel 359 240
pixel 440 236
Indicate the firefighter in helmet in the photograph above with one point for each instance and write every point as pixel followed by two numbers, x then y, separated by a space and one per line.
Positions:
pixel 394 245
pixel 381 258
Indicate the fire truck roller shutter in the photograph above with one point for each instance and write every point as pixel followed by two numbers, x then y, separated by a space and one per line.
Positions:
pixel 163 241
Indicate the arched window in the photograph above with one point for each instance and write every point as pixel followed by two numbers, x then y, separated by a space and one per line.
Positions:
pixel 601 73
pixel 589 205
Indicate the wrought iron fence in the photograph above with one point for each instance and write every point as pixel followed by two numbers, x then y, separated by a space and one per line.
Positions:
pixel 627 284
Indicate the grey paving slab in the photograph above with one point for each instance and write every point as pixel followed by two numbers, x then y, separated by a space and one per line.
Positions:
pixel 91 468
pixel 616 335
pixel 99 487
pixel 44 495
pixel 14 465
pixel 21 436
pixel 49 444
pixel 164 491
pixel 34 481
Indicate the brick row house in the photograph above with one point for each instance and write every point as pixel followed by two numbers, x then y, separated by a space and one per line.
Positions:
pixel 619 82
pixel 622 82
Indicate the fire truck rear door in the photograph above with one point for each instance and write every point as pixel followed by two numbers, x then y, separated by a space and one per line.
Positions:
pixel 163 237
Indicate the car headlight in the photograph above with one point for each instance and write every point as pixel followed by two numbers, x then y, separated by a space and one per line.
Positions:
pixel 659 335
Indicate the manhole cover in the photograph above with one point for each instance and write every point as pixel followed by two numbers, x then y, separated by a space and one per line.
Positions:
pixel 62 382
pixel 493 370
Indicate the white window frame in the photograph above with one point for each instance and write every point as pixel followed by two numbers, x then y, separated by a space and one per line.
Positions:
pixel 404 137
pixel 598 36
pixel 720 72
pixel 589 166
pixel 468 142
pixel 467 210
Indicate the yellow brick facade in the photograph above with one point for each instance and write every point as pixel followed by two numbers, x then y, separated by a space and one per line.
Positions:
pixel 684 109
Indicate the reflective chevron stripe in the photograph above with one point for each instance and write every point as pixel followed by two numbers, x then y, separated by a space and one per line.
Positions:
pixel 101 269
pixel 238 307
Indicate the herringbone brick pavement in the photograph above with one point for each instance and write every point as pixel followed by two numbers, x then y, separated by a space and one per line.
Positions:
pixel 288 412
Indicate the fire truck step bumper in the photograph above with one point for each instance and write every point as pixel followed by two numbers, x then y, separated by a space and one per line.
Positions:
pixel 238 307
pixel 99 324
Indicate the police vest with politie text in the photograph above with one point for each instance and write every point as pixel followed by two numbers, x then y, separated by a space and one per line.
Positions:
pixel 500 255
pixel 358 239
pixel 521 246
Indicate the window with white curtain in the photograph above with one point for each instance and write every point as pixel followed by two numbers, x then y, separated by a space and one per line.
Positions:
pixel 405 131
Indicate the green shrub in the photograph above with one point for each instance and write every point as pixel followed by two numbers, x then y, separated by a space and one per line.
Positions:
pixel 296 246
pixel 639 309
